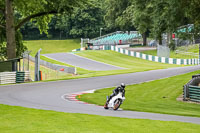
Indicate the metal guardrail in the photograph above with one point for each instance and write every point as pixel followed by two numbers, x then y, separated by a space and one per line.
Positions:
pixel 56 67
pixel 194 93
pixel 191 91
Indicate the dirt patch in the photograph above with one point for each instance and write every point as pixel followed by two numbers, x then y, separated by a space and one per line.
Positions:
pixel 180 98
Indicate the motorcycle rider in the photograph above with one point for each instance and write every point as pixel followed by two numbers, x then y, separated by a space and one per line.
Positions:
pixel 120 88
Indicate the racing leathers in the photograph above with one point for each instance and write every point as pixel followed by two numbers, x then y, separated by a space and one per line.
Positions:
pixel 116 91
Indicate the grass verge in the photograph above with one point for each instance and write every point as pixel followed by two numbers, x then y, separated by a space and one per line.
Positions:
pixel 173 54
pixel 186 52
pixel 22 120
pixel 122 60
pixel 157 96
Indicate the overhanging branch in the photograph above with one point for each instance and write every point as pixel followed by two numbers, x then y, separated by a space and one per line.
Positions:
pixel 33 16
pixel 2 26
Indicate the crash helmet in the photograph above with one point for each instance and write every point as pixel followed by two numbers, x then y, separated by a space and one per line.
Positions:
pixel 123 85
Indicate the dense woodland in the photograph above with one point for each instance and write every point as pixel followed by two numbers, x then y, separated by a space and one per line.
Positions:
pixel 64 19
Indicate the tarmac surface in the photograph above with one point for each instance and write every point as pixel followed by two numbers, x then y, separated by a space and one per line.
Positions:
pixel 81 62
pixel 50 95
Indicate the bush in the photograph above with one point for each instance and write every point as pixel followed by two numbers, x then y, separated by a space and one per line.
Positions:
pixel 172 45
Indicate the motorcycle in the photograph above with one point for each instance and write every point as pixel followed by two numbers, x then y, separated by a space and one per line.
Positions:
pixel 115 102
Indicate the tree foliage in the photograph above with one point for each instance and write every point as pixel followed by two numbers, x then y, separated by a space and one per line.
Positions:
pixel 84 18
pixel 82 22
pixel 114 14
pixel 86 22
pixel 15 13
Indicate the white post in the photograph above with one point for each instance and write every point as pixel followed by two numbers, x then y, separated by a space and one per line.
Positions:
pixel 81 42
pixel 37 65
pixel 100 31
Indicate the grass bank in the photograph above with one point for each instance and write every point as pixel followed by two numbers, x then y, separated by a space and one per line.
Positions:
pixel 122 60
pixel 22 120
pixel 157 96
pixel 52 46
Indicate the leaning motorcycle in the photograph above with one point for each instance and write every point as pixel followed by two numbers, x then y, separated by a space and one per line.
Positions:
pixel 115 102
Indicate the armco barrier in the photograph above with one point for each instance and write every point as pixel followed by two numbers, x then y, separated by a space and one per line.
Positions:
pixel 56 67
pixel 191 91
pixel 156 58
pixel 194 93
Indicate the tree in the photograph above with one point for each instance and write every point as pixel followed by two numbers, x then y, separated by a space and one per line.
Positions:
pixel 192 9
pixel 139 13
pixel 114 17
pixel 39 10
pixel 128 15
pixel 166 17
pixel 86 22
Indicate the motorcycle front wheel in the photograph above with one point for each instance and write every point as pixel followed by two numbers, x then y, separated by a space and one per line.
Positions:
pixel 117 104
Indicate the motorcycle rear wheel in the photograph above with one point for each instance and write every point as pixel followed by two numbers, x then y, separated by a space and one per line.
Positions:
pixel 106 105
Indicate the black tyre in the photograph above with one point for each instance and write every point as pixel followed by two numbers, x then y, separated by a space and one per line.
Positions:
pixel 117 104
pixel 106 105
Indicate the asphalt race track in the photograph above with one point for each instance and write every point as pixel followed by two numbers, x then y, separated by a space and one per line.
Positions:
pixel 81 62
pixel 49 95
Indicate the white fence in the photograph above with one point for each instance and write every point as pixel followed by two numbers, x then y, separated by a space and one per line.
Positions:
pixel 11 77
pixel 7 77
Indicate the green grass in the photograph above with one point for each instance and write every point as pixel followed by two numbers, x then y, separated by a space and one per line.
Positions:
pixel 24 120
pixel 122 60
pixel 173 54
pixel 52 46
pixel 157 96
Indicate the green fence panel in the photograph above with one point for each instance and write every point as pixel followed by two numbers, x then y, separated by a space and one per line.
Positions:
pixel 159 59
pixel 129 53
pixel 147 57
pixel 182 61
pixel 20 77
pixel 140 55
pixel 167 60
pixel 153 58
pixel 174 61
pixel 134 54
pixel 194 93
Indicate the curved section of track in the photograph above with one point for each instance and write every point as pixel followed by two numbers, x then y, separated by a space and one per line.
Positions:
pixel 48 95
pixel 81 62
